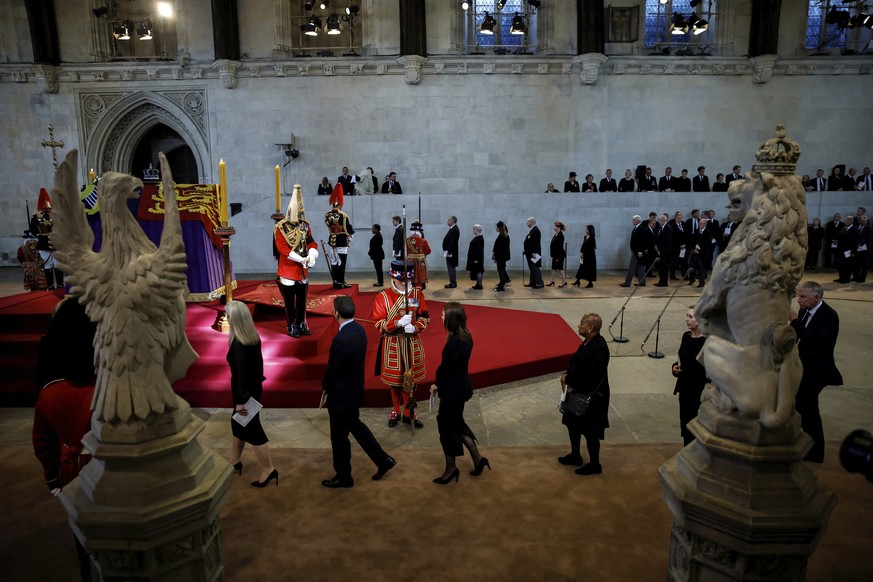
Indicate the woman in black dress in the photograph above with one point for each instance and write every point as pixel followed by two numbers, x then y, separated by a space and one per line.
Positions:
pixel 246 381
pixel 454 388
pixel 690 375
pixel 587 259
pixel 500 255
pixel 587 374
pixel 476 257
pixel 558 254
pixel 815 234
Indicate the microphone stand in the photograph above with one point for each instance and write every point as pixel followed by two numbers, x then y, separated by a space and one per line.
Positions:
pixel 621 339
pixel 656 354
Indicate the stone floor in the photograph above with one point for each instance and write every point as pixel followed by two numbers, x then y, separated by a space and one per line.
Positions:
pixel 643 408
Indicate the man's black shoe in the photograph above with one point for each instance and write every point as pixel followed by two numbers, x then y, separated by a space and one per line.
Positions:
pixel 384 468
pixel 336 483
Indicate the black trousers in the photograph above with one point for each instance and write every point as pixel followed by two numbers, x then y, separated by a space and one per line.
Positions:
pixel 806 404
pixel 377 265
pixel 295 302
pixel 343 423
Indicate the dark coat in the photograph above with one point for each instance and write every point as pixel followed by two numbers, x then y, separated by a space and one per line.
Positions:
pixel 587 368
pixel 344 377
pixel 376 252
pixel 816 343
pixel 452 375
pixel 476 256
pixel 450 245
pixel 246 371
pixel 500 250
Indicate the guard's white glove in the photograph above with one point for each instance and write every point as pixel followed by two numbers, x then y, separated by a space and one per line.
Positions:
pixel 312 257
pixel 409 328
pixel 405 320
pixel 295 257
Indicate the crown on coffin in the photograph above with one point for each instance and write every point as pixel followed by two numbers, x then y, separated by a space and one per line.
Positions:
pixel 778 155
pixel 151 173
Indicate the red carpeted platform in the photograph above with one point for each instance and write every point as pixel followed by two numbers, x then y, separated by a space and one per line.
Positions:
pixel 509 345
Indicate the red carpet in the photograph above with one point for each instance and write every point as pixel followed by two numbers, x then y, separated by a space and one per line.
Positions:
pixel 509 345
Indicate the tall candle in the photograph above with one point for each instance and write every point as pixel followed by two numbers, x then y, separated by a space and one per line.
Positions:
pixel 222 191
pixel 278 194
pixel 91 176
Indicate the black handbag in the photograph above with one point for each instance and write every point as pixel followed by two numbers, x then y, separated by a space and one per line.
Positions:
pixel 577 403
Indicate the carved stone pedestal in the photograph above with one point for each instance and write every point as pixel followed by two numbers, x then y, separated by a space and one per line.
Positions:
pixel 146 507
pixel 745 506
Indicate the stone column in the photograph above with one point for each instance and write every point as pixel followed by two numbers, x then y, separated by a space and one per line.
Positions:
pixel 745 506
pixel 147 506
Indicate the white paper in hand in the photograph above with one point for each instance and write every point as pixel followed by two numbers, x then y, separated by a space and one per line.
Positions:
pixel 252 407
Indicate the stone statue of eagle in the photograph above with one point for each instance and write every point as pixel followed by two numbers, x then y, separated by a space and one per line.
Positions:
pixel 132 290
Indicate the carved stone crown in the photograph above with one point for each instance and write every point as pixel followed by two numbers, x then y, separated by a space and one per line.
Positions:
pixel 778 155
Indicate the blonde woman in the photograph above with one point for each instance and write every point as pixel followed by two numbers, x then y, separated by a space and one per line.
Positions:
pixel 246 381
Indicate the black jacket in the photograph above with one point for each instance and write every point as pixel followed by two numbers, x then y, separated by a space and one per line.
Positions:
pixel 344 377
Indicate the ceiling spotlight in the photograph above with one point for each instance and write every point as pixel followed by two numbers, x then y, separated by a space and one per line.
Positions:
pixel 308 6
pixel 311 27
pixel 333 26
pixel 144 30
pixel 500 4
pixel 697 24
pixel 352 10
pixel 465 5
pixel 487 26
pixel 680 26
pixel 518 27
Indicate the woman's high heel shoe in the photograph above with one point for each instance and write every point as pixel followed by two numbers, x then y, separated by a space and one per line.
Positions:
pixel 238 467
pixel 480 466
pixel 564 284
pixel 454 475
pixel 552 284
pixel 270 477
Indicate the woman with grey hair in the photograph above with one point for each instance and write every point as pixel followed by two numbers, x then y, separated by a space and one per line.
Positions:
pixel 476 257
pixel 246 381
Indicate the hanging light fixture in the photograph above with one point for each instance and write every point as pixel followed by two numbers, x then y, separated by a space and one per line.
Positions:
pixel 333 26
pixel 311 27
pixel 697 24
pixel 680 25
pixel 144 30
pixel 487 26
pixel 518 27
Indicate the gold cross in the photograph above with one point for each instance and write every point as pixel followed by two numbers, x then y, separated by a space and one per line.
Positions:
pixel 51 143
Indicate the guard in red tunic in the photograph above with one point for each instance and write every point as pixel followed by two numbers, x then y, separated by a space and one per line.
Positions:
pixel 341 231
pixel 298 252
pixel 400 315
pixel 417 249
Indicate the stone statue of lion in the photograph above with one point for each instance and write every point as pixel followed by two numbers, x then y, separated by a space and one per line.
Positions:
pixel 750 353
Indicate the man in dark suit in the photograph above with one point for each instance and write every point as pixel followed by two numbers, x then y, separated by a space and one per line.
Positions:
pixel 668 182
pixel 343 383
pixel 641 240
pixel 817 326
pixel 450 250
pixel 399 238
pixel 533 253
pixel 734 175
pixel 347 182
pixel 831 236
pixel 700 182
pixel 608 184
pixel 664 248
pixel 377 253
pixel 391 185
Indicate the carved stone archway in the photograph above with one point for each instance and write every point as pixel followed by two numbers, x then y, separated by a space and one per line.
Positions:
pixel 113 123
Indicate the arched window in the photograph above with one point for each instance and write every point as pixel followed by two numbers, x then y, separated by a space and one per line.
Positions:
pixel 680 26
pixel 500 27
